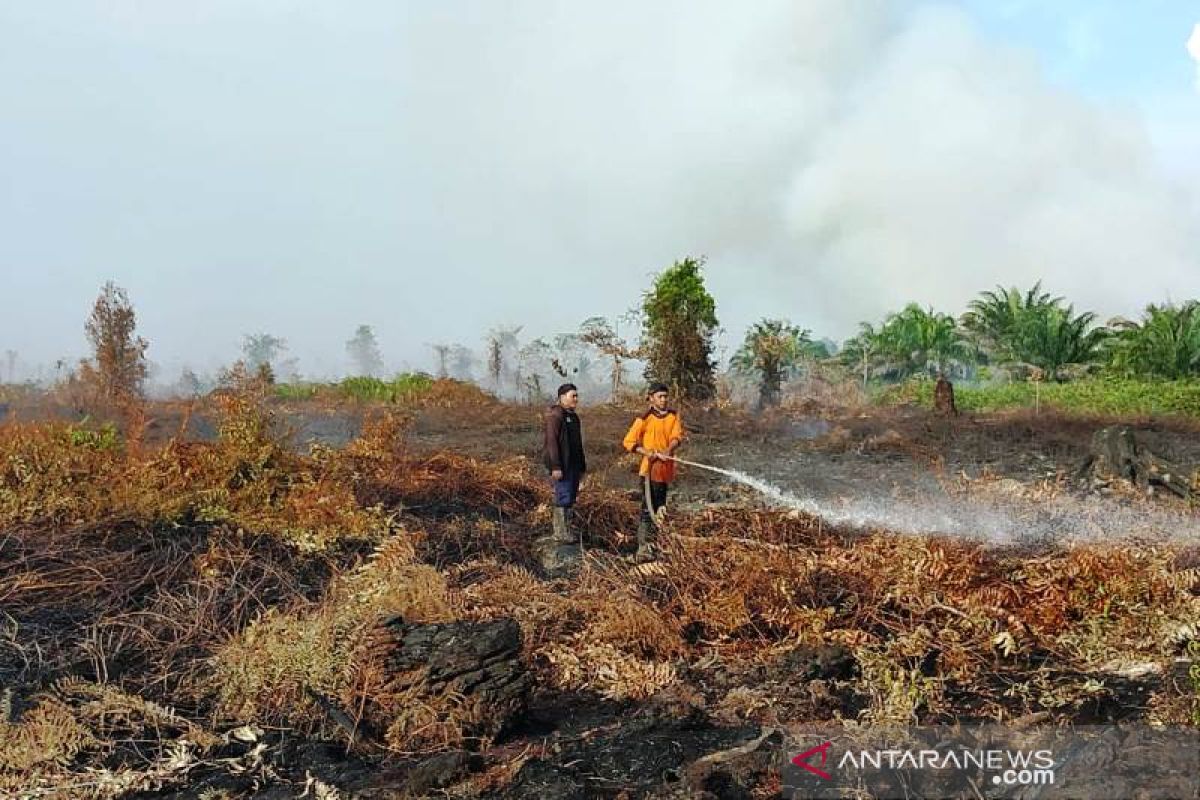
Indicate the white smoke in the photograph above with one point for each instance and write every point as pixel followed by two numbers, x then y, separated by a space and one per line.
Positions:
pixel 1193 47
pixel 953 165
pixel 436 169
pixel 834 158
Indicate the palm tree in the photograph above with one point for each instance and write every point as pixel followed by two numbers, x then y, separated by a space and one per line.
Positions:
pixel 772 351
pixel 924 341
pixel 1165 344
pixel 441 352
pixel 995 319
pixel 864 351
pixel 1055 339
pixel 1033 329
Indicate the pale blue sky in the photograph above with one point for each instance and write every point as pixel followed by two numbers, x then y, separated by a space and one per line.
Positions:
pixel 1116 51
pixel 436 168
pixel 1108 48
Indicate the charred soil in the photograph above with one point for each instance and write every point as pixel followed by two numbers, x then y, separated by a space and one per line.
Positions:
pixel 210 610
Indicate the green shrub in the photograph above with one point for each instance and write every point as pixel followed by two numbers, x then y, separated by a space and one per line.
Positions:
pixel 403 387
pixel 297 391
pixel 411 384
pixel 102 438
pixel 1109 396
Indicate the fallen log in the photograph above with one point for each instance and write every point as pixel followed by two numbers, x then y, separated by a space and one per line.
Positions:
pixel 1116 453
pixel 467 675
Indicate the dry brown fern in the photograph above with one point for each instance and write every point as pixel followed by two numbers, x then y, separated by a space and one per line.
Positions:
pixel 607 671
pixel 48 735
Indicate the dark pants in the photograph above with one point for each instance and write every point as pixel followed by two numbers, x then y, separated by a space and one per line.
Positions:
pixel 658 498
pixel 566 490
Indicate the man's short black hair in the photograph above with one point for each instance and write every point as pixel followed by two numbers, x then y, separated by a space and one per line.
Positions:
pixel 656 387
pixel 567 387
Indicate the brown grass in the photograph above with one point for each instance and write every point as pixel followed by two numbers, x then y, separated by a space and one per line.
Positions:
pixel 238 581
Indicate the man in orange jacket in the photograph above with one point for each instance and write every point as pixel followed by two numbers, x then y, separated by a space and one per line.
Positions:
pixel 654 436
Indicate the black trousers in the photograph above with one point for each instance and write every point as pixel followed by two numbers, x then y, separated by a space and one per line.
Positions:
pixel 658 499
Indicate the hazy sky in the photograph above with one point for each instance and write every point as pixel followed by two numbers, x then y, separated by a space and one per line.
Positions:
pixel 437 168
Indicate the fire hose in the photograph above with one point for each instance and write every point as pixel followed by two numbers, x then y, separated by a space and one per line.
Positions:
pixel 646 481
pixel 708 467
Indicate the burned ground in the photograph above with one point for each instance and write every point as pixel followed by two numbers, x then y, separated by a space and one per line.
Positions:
pixel 201 618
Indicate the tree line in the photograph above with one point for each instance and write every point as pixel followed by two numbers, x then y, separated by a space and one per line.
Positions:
pixel 1030 333
pixel 671 333
pixel 1004 333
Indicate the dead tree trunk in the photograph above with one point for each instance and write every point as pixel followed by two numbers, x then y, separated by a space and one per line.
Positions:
pixel 943 398
pixel 1116 453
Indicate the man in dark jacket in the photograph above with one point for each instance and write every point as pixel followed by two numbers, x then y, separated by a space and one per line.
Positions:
pixel 563 453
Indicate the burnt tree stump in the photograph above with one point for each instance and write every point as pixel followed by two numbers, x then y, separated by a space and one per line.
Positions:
pixel 1117 453
pixel 943 398
pixel 470 670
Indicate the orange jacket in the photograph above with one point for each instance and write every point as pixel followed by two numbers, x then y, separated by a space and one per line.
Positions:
pixel 655 433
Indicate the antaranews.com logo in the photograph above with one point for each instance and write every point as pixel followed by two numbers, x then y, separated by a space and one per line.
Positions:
pixel 994 762
pixel 1008 767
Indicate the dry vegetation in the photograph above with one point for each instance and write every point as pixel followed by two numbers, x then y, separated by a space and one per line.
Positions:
pixel 164 608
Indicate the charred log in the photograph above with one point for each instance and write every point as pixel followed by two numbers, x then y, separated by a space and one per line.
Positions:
pixel 1116 453
pixel 471 670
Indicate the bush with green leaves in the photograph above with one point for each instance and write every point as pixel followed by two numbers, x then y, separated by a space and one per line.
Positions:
pixel 679 321
pixel 102 438
pixel 402 388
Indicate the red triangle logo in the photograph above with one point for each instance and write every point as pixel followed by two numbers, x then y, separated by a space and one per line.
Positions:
pixel 802 760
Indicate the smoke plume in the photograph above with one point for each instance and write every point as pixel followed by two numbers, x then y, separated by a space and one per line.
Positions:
pixel 834 158
pixel 441 169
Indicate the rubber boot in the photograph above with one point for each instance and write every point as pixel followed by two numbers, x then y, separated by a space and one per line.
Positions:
pixel 646 535
pixel 562 525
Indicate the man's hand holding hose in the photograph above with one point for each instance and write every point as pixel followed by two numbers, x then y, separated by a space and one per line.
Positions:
pixel 653 455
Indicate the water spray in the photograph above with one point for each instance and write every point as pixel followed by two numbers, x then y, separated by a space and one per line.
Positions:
pixel 995 521
pixel 860 513
pixel 774 492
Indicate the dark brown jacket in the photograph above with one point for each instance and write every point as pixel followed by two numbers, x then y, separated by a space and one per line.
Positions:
pixel 563 444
